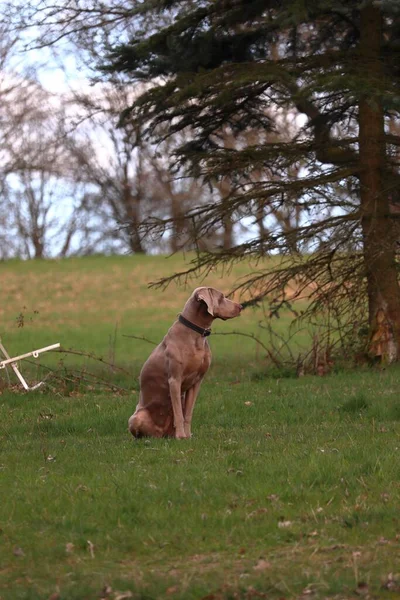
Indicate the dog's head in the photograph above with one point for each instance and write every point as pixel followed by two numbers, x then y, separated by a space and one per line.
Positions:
pixel 218 306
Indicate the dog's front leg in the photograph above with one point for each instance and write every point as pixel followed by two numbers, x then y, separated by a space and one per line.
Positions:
pixel 176 401
pixel 190 400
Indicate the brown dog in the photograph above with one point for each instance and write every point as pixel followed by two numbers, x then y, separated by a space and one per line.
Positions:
pixel 171 377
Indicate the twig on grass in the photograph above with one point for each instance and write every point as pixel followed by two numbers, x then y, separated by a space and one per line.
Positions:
pixel 280 338
pixel 141 338
pixel 77 377
pixel 249 335
pixel 100 380
pixel 270 354
pixel 112 347
pixel 98 358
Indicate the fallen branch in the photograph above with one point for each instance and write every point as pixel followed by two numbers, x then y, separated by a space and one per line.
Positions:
pixel 249 335
pixel 98 358
pixel 141 338
pixel 73 376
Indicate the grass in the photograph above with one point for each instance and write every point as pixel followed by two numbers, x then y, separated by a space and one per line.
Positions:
pixel 289 487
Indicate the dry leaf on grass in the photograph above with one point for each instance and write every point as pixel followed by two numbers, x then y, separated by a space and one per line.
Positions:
pixel 105 592
pixel 256 513
pixel 172 590
pixel 123 595
pixel 308 591
pixel 91 548
pixel 383 541
pixel 312 533
pixel 283 524
pixel 273 498
pixel 362 589
pixel 262 565
pixel 392 583
pixel 253 593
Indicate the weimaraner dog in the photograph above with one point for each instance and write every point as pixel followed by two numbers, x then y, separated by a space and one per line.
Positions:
pixel 171 377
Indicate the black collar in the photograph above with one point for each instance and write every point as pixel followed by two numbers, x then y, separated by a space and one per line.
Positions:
pixel 201 330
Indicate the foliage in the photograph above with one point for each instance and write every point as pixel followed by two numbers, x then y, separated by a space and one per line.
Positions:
pixel 235 66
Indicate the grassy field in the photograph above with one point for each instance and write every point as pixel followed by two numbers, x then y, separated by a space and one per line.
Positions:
pixel 289 488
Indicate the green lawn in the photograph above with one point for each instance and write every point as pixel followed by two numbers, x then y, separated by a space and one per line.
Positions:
pixel 289 487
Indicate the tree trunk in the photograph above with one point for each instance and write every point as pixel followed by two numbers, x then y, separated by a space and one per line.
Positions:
pixel 177 213
pixel 224 187
pixel 379 235
pixel 227 238
pixel 260 214
pixel 37 241
pixel 131 204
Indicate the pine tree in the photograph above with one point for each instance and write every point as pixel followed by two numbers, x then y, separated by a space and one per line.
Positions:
pixel 217 65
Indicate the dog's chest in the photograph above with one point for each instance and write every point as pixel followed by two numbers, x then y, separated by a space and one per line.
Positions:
pixel 197 365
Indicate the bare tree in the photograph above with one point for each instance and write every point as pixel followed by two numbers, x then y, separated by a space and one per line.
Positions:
pixel 42 191
pixel 129 180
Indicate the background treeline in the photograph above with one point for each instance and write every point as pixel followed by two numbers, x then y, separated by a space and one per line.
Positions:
pixel 75 180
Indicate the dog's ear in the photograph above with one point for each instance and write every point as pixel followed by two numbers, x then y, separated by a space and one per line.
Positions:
pixel 206 295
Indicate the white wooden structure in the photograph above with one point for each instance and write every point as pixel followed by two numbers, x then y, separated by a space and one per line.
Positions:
pixel 7 360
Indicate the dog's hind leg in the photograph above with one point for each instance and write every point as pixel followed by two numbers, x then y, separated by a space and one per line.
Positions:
pixel 142 425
